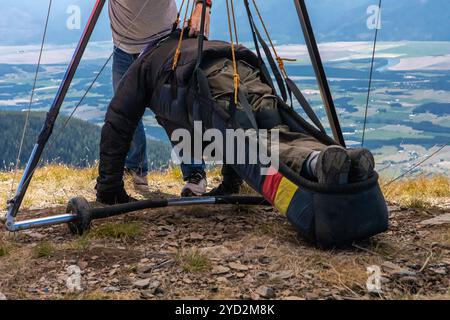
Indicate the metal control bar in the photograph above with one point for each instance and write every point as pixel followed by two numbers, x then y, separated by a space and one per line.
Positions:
pixel 109 211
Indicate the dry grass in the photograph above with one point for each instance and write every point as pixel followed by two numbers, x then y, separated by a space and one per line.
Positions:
pixel 193 260
pixel 52 185
pixel 175 173
pixel 81 243
pixel 98 295
pixel 421 192
pixel 344 271
pixel 63 182
pixel 442 237
pixel 44 250
pixel 123 231
pixel 4 249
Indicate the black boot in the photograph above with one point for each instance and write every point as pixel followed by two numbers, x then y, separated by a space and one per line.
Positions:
pixel 112 198
pixel 231 183
pixel 363 164
pixel 333 166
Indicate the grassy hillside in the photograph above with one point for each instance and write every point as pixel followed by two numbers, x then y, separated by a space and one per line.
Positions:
pixel 76 146
pixel 220 252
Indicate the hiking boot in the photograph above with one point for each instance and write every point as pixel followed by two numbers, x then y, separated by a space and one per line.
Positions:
pixel 333 166
pixel 231 183
pixel 112 198
pixel 140 182
pixel 363 164
pixel 195 185
pixel 224 190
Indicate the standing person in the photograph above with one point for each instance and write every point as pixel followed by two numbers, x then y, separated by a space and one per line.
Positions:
pixel 136 25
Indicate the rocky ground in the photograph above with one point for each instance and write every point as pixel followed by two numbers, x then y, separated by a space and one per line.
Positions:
pixel 226 252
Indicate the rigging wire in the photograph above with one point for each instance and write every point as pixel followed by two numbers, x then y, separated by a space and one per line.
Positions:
pixel 102 68
pixel 369 87
pixel 66 122
pixel 417 165
pixel 234 22
pixel 177 21
pixel 236 78
pixel 177 55
pixel 27 118
pixel 104 65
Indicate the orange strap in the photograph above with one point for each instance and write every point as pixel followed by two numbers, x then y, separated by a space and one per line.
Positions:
pixel 177 56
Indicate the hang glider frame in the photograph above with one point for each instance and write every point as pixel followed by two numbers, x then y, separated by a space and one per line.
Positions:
pixel 14 204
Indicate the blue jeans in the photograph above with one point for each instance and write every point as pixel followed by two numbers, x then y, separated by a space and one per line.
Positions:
pixel 137 156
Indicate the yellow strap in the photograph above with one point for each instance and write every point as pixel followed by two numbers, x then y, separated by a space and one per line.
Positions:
pixel 236 78
pixel 177 56
pixel 285 193
pixel 236 81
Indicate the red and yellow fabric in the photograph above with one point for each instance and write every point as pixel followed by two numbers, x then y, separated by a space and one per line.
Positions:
pixel 279 190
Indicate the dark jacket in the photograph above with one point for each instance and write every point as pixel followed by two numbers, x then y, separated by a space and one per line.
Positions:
pixel 151 83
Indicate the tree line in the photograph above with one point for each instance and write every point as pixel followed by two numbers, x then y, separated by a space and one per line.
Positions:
pixel 77 146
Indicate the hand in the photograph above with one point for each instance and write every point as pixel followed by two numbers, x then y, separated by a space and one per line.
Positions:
pixel 196 21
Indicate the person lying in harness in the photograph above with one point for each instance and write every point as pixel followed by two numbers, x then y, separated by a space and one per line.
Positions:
pixel 156 81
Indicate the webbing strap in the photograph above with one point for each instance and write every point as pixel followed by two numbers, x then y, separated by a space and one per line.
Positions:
pixel 203 83
pixel 262 65
pixel 272 63
pixel 247 108
pixel 201 36
pixel 257 36
pixel 292 87
pixel 252 29
pixel 204 90
pixel 304 103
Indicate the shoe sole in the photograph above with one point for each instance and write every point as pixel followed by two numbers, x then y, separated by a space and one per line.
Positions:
pixel 333 166
pixel 363 165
